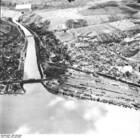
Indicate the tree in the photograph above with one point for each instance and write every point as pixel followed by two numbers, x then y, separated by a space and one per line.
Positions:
pixel 71 0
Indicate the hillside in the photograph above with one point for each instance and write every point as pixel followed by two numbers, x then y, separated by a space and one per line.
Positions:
pixel 12 56
pixel 46 2
pixel 91 52
pixel 97 60
pixel 55 3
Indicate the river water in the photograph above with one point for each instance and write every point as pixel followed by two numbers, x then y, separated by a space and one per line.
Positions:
pixel 39 111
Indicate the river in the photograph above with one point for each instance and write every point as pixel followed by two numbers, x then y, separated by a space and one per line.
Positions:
pixel 39 112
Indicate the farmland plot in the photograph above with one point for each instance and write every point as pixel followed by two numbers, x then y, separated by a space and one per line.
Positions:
pixel 103 64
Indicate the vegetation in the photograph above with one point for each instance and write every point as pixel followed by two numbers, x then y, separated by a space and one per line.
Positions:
pixel 103 5
pixel 69 72
pixel 11 56
pixel 88 67
pixel 51 49
pixel 42 4
pixel 76 23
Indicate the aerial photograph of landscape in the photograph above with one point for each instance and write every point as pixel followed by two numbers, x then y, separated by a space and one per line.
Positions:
pixel 70 67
